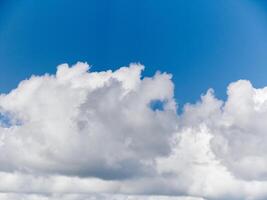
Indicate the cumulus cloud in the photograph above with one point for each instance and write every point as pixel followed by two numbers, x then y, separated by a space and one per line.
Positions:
pixel 81 134
pixel 88 124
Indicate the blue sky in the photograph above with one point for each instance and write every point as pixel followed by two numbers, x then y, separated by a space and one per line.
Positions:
pixel 115 135
pixel 202 43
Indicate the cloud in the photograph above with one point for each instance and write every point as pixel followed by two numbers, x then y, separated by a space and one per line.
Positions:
pixel 5 196
pixel 81 134
pixel 88 124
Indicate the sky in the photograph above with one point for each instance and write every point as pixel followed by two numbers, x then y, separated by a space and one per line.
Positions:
pixel 133 100
pixel 204 44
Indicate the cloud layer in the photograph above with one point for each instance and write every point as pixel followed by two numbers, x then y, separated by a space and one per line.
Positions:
pixel 100 135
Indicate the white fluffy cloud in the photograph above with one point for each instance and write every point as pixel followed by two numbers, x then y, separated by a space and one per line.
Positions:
pixel 88 124
pixel 94 135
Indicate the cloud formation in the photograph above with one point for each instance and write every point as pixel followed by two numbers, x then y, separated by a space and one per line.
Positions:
pixel 115 135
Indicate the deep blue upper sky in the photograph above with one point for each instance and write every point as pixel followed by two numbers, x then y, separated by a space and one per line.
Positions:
pixel 203 43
